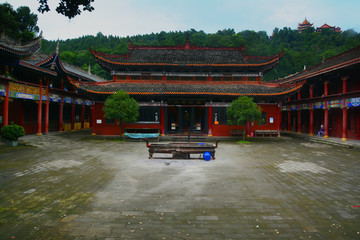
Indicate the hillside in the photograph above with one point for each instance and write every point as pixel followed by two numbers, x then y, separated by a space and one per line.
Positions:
pixel 300 49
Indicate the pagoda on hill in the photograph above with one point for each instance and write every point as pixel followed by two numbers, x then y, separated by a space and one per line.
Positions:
pixel 304 25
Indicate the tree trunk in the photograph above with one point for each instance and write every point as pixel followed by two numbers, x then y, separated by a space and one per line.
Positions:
pixel 244 132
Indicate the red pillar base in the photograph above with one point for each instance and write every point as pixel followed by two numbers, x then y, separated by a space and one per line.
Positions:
pixel 39 134
pixel 344 139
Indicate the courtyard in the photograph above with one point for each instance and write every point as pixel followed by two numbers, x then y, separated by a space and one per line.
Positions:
pixel 72 186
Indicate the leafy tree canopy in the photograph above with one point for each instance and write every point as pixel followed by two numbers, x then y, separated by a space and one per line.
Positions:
pixel 241 111
pixel 122 107
pixel 18 24
pixel 68 8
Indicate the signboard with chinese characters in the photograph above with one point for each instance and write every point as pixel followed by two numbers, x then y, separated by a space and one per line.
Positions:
pixel 24 96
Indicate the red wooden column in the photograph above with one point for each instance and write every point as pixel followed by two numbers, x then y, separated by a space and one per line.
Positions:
pixel 344 127
pixel 210 120
pixel 279 121
pixel 289 117
pixel 162 120
pixel 93 121
pixel 289 121
pixel 38 132
pixel 311 120
pixel 344 111
pixel 61 108
pixel 46 120
pixel 299 114
pixel 82 118
pixel 326 111
pixel 6 105
pixel 73 115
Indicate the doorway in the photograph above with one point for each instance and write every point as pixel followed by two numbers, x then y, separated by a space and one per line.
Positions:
pixel 182 120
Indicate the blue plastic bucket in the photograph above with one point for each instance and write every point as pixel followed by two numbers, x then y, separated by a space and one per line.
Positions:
pixel 207 156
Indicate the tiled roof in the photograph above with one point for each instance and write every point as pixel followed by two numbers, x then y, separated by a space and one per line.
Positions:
pixel 13 48
pixel 32 66
pixel 326 26
pixel 185 57
pixel 43 60
pixel 342 60
pixel 76 71
pixel 179 88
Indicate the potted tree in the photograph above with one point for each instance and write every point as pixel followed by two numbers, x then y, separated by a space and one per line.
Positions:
pixel 11 133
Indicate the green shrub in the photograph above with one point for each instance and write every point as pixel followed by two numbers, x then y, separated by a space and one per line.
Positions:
pixel 12 132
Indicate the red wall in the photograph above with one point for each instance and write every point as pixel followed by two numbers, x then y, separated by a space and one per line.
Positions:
pixel 272 110
pixel 113 128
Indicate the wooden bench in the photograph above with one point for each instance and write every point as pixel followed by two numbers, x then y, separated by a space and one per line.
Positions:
pixel 236 132
pixel 182 150
pixel 266 133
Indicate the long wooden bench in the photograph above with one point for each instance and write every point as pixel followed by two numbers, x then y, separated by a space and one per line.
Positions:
pixel 236 132
pixel 182 150
pixel 266 133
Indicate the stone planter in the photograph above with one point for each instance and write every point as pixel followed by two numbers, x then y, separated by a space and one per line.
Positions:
pixel 10 143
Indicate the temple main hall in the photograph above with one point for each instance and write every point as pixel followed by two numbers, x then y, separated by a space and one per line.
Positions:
pixel 186 88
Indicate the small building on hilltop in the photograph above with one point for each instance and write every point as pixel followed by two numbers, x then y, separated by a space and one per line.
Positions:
pixel 304 25
pixel 326 26
pixel 186 89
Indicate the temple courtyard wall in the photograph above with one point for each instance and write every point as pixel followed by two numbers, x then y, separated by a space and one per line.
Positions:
pixel 74 186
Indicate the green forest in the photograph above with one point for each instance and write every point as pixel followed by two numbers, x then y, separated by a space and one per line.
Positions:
pixel 300 49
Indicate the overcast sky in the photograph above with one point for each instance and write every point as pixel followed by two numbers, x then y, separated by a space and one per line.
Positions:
pixel 131 17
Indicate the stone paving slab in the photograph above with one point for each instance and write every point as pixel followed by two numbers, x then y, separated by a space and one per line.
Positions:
pixel 70 186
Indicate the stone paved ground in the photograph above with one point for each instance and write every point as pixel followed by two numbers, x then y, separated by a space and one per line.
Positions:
pixel 69 186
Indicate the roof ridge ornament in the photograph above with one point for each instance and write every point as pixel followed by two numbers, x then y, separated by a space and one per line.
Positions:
pixel 57 47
